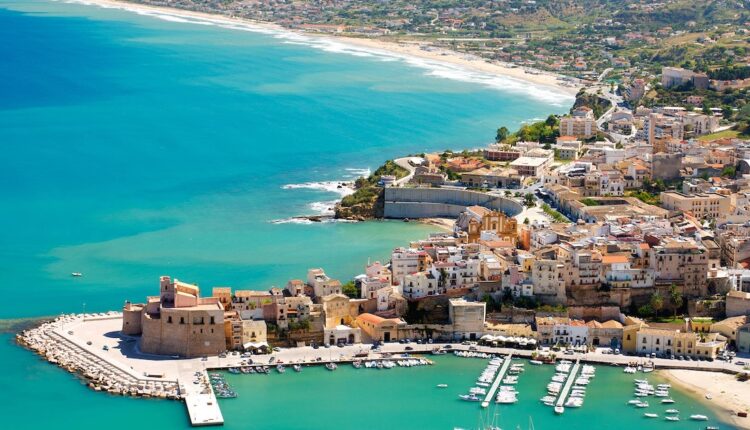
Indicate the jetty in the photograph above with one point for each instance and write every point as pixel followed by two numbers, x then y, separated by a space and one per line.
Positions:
pixel 200 399
pixel 496 383
pixel 566 388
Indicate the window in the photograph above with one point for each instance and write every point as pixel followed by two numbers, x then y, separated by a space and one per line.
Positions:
pixel 182 320
pixel 212 322
pixel 169 319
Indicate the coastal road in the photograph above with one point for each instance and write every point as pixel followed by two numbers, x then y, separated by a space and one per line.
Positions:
pixel 404 162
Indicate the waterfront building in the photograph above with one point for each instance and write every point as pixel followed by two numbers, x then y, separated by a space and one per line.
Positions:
pixel 321 284
pixel 377 328
pixel 467 318
pixel 177 322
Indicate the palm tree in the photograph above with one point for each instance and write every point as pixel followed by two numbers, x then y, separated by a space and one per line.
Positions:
pixel 676 298
pixel 657 303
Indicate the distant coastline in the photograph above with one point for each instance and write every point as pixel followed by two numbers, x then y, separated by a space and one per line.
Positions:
pixel 543 84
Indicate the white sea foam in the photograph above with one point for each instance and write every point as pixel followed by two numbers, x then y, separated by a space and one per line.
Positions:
pixel 434 68
pixel 354 172
pixel 323 208
pixel 341 188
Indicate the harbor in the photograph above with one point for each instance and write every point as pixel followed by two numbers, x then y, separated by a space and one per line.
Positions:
pixel 498 380
pixel 92 348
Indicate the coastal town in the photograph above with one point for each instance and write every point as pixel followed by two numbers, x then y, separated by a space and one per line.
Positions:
pixel 614 235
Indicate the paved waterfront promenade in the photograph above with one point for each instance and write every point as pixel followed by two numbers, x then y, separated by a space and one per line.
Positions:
pixel 94 348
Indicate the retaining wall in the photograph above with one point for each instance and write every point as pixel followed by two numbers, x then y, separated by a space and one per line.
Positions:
pixel 441 202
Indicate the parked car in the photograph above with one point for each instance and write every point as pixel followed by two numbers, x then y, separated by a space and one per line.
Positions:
pixel 408 348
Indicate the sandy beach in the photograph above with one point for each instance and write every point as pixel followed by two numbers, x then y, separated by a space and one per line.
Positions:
pixel 445 224
pixel 728 395
pixel 462 62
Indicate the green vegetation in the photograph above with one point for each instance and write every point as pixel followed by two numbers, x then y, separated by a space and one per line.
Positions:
pixel 730 73
pixel 588 201
pixel 644 196
pixel 556 216
pixel 367 188
pixel 543 131
pixel 350 290
pixel 656 303
pixel 299 325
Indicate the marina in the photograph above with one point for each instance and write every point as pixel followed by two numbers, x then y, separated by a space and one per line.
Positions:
pixel 78 344
pixel 496 382
pixel 559 405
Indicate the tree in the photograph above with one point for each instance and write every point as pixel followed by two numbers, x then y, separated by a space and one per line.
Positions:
pixel 350 289
pixel 676 298
pixel 502 134
pixel 656 303
pixel 526 221
pixel 529 200
pixel 727 112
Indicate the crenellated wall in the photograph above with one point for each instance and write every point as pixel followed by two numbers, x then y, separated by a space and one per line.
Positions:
pixel 441 202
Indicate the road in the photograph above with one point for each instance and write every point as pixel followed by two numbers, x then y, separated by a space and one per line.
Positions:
pixel 404 162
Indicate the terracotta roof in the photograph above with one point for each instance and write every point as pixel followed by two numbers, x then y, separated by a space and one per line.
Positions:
pixel 611 259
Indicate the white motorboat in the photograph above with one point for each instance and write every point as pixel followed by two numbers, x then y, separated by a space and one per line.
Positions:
pixel 559 409
pixel 641 405
pixel 634 402
pixel 470 397
pixel 698 417
pixel 280 368
pixel 331 366
pixel 297 368
pixel 442 385
pixel 673 418
pixel 535 362
pixel 667 401
pixel 672 411
pixel 650 415
pixel 76 274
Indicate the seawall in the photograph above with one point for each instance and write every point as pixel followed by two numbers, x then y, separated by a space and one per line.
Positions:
pixel 441 202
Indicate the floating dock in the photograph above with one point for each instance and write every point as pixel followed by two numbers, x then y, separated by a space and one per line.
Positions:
pixel 201 403
pixel 568 383
pixel 496 383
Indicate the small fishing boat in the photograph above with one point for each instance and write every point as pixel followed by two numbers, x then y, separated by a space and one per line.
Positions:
pixel 641 405
pixel 76 274
pixel 672 411
pixel 634 402
pixel 709 396
pixel 559 410
pixel 331 366
pixel 667 401
pixel 651 415
pixel 673 418
pixel 357 364
pixel 698 417
pixel 442 385
pixel 535 362
pixel 280 368
pixel 297 368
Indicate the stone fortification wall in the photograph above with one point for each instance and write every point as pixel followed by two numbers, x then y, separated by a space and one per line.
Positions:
pixel 441 202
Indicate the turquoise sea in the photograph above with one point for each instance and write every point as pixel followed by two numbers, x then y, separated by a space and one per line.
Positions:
pixel 135 146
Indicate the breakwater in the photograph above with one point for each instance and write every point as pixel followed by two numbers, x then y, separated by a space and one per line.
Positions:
pixel 441 202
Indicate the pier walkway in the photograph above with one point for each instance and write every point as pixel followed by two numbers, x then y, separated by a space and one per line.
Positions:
pixel 200 400
pixel 568 383
pixel 496 383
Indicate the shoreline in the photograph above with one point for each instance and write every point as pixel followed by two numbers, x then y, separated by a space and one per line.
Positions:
pixel 539 80
pixel 729 396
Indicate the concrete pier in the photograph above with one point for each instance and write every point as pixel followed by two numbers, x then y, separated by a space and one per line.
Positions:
pixel 568 383
pixel 498 379
pixel 200 400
